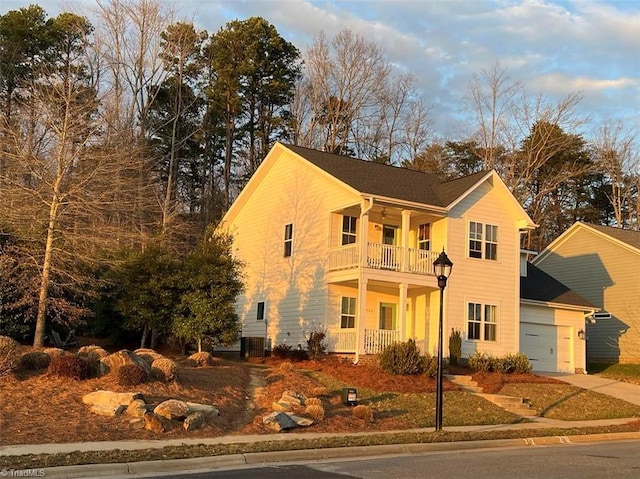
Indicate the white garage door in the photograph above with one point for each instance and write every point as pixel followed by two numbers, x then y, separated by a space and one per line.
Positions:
pixel 547 347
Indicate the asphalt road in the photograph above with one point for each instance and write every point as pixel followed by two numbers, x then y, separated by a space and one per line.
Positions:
pixel 616 460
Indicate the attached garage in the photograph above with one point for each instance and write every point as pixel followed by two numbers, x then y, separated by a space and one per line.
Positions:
pixel 548 347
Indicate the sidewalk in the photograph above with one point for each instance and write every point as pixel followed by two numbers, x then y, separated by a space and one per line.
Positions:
pixel 617 389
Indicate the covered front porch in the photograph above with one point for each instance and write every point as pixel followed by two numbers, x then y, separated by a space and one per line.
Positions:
pixel 375 340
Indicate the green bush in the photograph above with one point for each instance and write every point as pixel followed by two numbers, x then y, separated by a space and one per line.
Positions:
pixel 403 358
pixel 510 363
pixel 130 375
pixel 431 366
pixel 480 362
pixel 455 347
pixel 69 366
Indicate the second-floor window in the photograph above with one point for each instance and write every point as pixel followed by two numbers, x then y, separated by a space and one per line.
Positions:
pixel 288 240
pixel 424 236
pixel 349 229
pixel 260 315
pixel 482 322
pixel 483 241
pixel 348 313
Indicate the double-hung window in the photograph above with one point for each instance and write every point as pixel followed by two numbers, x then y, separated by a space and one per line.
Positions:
pixel 482 322
pixel 349 229
pixel 348 313
pixel 483 241
pixel 424 236
pixel 288 239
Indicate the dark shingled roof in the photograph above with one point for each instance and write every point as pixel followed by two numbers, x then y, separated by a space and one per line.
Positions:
pixel 389 181
pixel 632 238
pixel 539 286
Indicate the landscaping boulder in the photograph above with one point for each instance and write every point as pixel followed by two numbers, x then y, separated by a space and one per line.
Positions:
pixel 33 361
pixel 205 409
pixel 279 421
pixel 301 421
pixel 193 421
pixel 111 363
pixel 172 409
pixel 164 369
pixel 149 355
pixel 137 408
pixel 109 403
pixel 155 423
pixel 93 352
pixel 201 359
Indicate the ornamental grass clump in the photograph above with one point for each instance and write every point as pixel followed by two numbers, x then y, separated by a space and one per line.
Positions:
pixel 131 375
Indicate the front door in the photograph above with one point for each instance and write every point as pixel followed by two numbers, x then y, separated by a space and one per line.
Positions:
pixel 389 241
pixel 388 316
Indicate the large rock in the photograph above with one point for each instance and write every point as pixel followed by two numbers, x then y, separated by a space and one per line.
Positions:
pixel 93 352
pixel 155 423
pixel 194 421
pixel 172 409
pixel 149 355
pixel 164 369
pixel 137 408
pixel 111 363
pixel 109 403
pixel 205 409
pixel 279 421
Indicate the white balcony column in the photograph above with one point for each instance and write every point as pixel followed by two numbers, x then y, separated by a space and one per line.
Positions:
pixel 406 226
pixel 403 310
pixel 361 317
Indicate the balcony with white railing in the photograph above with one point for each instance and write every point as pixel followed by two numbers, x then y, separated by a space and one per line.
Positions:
pixel 384 257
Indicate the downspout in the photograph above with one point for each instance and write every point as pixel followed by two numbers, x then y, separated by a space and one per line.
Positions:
pixel 363 254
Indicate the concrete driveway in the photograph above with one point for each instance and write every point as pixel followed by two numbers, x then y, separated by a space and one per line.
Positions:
pixel 617 389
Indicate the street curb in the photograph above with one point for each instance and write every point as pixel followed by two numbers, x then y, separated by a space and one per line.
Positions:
pixel 234 460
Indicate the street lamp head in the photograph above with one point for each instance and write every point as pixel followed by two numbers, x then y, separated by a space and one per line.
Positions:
pixel 442 268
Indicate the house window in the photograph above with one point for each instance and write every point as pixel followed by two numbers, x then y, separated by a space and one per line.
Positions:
pixel 424 236
pixel 480 241
pixel 260 315
pixel 288 239
pixel 348 313
pixel 349 229
pixel 388 316
pixel 482 322
pixel 491 245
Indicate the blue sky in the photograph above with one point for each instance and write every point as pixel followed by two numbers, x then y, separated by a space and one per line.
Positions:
pixel 552 47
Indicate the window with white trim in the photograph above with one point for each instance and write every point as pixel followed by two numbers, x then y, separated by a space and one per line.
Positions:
pixel 349 224
pixel 288 239
pixel 424 236
pixel 348 313
pixel 483 241
pixel 260 314
pixel 482 322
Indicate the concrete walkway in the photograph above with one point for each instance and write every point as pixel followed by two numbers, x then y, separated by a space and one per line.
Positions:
pixel 617 389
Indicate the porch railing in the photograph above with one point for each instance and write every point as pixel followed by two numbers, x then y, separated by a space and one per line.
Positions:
pixel 384 257
pixel 375 340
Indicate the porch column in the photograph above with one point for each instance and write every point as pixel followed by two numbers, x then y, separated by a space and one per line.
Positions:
pixel 361 318
pixel 403 311
pixel 406 225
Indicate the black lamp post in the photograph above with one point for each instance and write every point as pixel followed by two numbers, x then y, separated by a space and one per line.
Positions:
pixel 442 269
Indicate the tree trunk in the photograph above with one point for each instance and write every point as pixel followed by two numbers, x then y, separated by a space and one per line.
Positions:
pixel 154 337
pixel 145 332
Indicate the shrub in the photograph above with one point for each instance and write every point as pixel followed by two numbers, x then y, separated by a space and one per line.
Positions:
pixel 34 360
pixel 298 355
pixel 455 347
pixel 521 364
pixel 130 375
pixel 8 355
pixel 315 411
pixel 431 366
pixel 281 351
pixel 69 366
pixel 316 347
pixel 164 369
pixel 403 358
pixel 480 362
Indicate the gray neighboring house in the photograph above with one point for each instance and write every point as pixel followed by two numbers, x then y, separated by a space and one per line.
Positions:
pixel 602 264
pixel 552 322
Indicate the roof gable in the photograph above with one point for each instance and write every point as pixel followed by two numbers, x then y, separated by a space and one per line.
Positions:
pixel 627 239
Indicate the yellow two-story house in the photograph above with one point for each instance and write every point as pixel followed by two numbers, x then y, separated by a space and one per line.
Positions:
pixel 348 246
